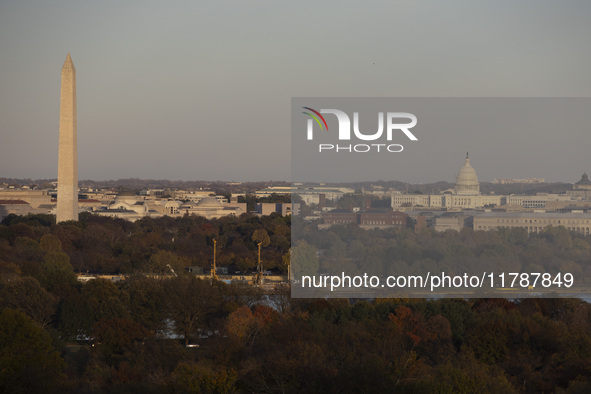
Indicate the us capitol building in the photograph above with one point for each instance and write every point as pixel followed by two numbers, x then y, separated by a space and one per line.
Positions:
pixel 465 206
pixel 465 195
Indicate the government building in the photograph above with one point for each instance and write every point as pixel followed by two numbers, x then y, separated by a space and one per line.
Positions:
pixel 533 222
pixel 465 195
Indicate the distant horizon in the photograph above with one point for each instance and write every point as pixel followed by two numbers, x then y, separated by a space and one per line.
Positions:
pixel 4 179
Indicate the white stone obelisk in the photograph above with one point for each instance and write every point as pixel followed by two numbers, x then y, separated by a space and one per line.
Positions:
pixel 67 170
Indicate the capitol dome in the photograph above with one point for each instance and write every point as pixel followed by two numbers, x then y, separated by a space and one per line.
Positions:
pixel 467 180
pixel 584 183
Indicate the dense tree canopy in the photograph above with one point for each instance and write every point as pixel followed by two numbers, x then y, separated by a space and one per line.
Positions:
pixel 61 335
pixel 28 361
pixel 390 252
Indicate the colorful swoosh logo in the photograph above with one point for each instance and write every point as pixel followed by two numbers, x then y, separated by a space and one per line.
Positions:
pixel 315 116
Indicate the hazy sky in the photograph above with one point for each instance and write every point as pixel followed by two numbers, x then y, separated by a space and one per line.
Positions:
pixel 198 90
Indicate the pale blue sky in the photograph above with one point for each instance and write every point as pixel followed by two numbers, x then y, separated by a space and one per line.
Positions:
pixel 199 90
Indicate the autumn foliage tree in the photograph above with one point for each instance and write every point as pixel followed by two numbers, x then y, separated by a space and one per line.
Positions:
pixel 28 362
pixel 189 301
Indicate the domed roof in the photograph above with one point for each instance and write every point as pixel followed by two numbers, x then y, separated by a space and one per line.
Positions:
pixel 209 202
pixel 125 196
pixel 467 180
pixel 583 184
pixel 584 180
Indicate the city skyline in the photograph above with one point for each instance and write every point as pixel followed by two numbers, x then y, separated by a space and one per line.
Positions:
pixel 202 91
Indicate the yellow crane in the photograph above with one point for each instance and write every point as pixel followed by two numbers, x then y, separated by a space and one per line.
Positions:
pixel 213 269
pixel 258 277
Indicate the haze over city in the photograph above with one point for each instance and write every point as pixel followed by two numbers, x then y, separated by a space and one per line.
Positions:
pixel 192 90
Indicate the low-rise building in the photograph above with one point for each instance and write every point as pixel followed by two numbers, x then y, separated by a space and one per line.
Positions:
pixel 383 219
pixel 365 219
pixel 34 198
pixel 533 222
pixel 310 194
pixel 284 209
pixel 16 207
pixel 450 222
pixel 338 216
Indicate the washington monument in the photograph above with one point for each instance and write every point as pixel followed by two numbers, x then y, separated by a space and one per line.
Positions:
pixel 67 170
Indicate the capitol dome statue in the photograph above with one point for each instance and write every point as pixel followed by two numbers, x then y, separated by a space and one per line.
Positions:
pixel 467 181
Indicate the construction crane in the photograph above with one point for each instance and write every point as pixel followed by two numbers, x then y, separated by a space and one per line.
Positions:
pixel 213 268
pixel 171 270
pixel 289 269
pixel 258 277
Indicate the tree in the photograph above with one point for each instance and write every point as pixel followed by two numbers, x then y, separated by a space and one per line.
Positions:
pixel 285 261
pixel 559 235
pixel 28 362
pixel 76 316
pixel 163 260
pixel 189 377
pixel 304 259
pixel 99 299
pixel 189 301
pixel 282 229
pixel 50 243
pixel 58 274
pixel 105 299
pixel 241 324
pixel 146 301
pixel 27 295
pixel 261 236
pixel 8 271
pixel 118 336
